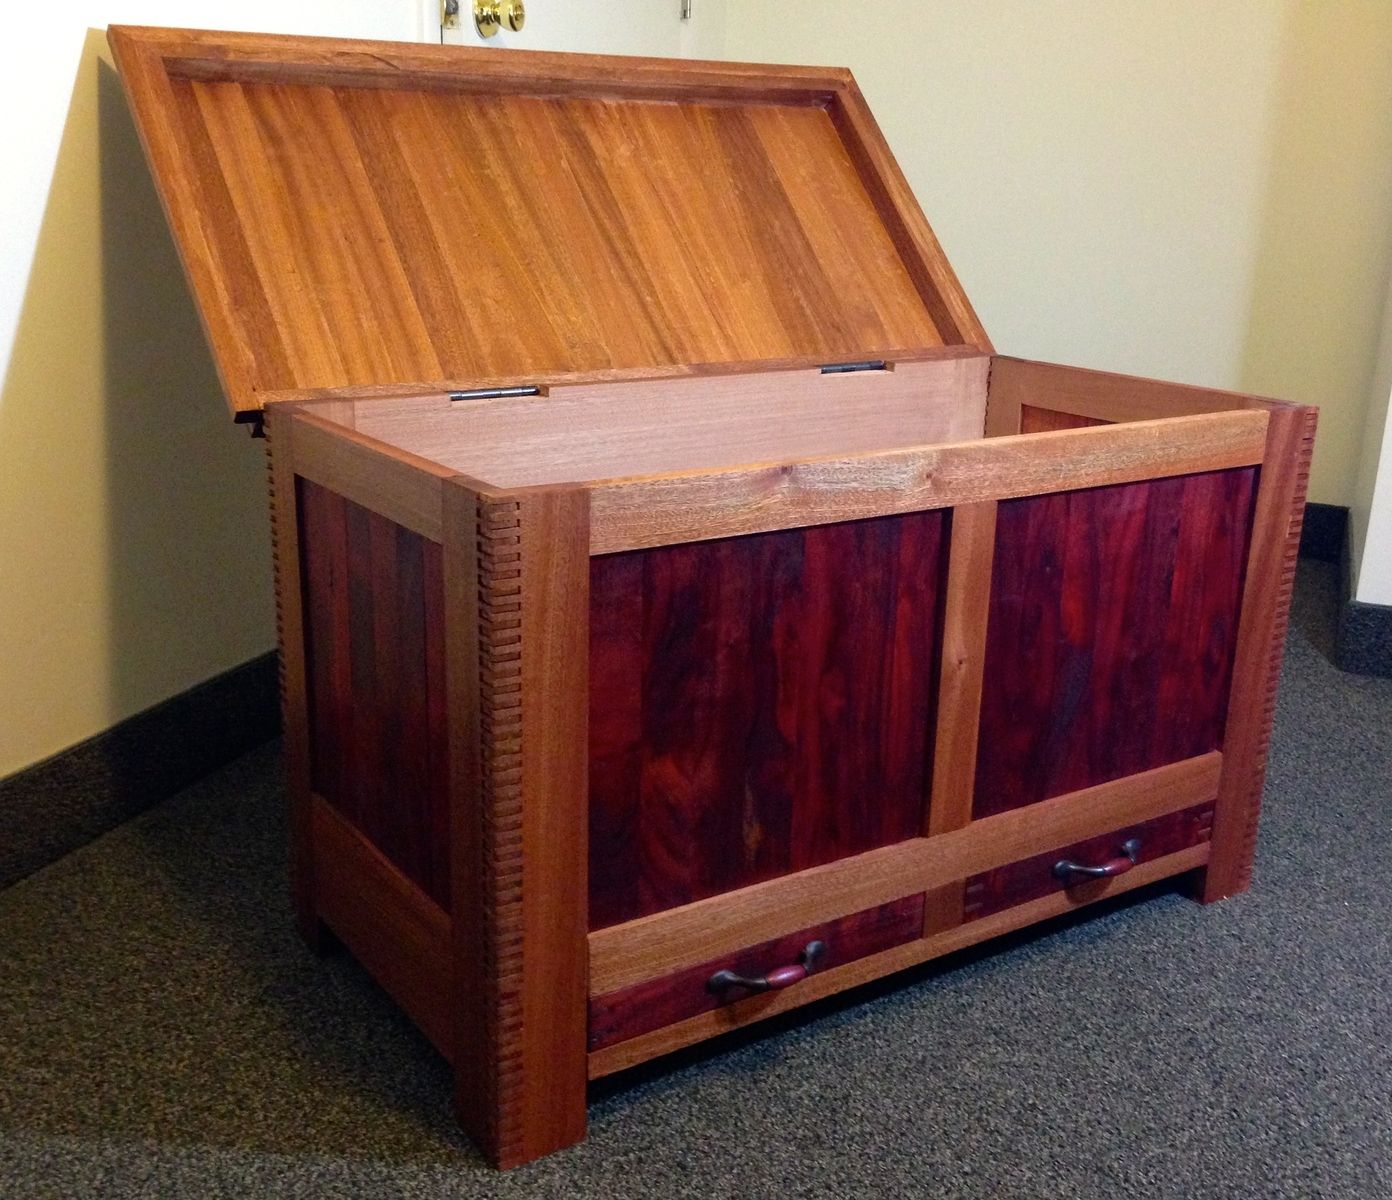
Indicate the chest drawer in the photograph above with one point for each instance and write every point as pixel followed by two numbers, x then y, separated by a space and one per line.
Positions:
pixel 1085 869
pixel 770 966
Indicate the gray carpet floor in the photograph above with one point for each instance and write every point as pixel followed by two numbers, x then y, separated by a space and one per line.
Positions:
pixel 163 1033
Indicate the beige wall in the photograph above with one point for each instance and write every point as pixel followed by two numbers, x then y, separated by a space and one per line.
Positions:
pixel 133 546
pixel 1192 190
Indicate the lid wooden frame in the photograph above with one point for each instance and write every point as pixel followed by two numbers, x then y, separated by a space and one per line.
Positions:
pixel 152 61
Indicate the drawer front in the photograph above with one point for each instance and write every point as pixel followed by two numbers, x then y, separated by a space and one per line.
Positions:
pixel 656 1003
pixel 1032 878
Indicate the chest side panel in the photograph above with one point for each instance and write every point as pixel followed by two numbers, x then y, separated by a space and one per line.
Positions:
pixel 374 633
pixel 758 705
pixel 1111 633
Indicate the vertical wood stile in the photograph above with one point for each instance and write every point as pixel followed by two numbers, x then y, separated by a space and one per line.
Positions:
pixel 470 979
pixel 970 556
pixel 1003 407
pixel 516 582
pixel 1261 640
pixel 290 641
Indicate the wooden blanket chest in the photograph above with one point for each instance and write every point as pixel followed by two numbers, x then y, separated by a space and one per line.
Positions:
pixel 684 613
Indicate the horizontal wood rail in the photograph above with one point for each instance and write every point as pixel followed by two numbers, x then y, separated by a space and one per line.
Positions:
pixel 400 486
pixel 392 927
pixel 217 55
pixel 582 432
pixel 758 1008
pixel 1017 383
pixel 670 941
pixel 425 395
pixel 627 514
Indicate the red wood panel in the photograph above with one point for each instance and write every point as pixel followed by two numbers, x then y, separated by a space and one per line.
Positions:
pixel 758 705
pixel 1032 878
pixel 657 1002
pixel 373 611
pixel 1111 632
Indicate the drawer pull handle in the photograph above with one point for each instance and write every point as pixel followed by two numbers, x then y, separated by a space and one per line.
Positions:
pixel 779 977
pixel 1067 870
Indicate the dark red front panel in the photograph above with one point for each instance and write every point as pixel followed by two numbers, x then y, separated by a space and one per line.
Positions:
pixel 373 610
pixel 1112 627
pixel 758 705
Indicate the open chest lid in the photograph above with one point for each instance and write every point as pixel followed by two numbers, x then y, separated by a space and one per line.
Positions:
pixel 396 218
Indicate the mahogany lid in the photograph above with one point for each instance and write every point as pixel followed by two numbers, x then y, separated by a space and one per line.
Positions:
pixel 410 217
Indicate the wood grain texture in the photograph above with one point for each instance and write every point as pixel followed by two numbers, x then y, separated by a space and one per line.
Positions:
pixel 1030 878
pixel 375 681
pixel 490 1099
pixel 970 563
pixel 970 558
pixel 294 678
pixel 555 579
pixel 548 382
pixel 396 484
pixel 647 1006
pixel 628 514
pixel 1261 640
pixel 758 706
pixel 227 55
pixel 517 578
pixel 597 431
pixel 1045 420
pixel 1100 396
pixel 666 942
pixel 894 200
pixel 472 772
pixel 1113 624
pixel 397 932
pixel 595 214
pixel 757 1008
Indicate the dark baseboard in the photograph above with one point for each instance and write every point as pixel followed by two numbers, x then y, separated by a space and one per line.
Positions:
pixel 55 806
pixel 1324 536
pixel 1365 639
pixel 1363 642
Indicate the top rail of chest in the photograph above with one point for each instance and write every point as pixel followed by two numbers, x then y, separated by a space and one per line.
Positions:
pixel 674 461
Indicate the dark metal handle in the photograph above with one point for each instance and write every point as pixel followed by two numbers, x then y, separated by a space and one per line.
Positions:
pixel 1067 870
pixel 779 977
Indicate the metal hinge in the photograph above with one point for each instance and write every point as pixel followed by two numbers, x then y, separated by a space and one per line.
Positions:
pixel 874 364
pixel 495 393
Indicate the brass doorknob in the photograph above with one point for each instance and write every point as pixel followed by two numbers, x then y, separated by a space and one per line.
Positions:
pixel 488 17
pixel 514 14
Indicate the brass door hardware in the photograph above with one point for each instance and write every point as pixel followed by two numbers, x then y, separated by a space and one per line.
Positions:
pixel 514 14
pixel 488 17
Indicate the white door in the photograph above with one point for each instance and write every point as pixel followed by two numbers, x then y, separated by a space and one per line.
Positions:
pixel 663 28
